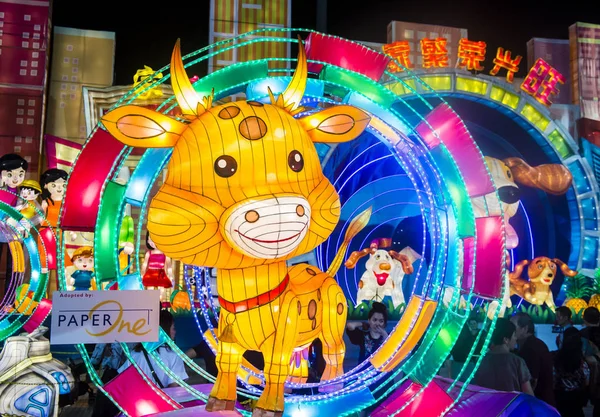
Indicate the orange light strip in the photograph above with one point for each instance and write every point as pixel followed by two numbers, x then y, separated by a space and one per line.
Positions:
pixel 389 355
pixel 18 256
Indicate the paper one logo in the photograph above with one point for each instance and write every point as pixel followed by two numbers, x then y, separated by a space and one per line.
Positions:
pixel 105 316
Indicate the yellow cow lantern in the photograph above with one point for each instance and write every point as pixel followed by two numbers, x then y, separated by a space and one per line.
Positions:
pixel 245 193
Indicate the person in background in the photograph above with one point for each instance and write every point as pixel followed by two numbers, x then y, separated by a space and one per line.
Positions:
pixel 500 369
pixel 571 375
pixel 591 334
pixel 563 319
pixel 108 358
pixel 461 349
pixel 536 355
pixel 591 326
pixel 148 364
pixel 203 351
pixel 369 336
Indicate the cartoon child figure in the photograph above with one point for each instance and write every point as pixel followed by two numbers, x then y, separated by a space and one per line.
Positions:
pixel 157 269
pixel 83 259
pixel 53 183
pixel 13 168
pixel 29 191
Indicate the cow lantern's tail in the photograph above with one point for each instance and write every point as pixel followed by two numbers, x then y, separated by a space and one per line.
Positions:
pixel 356 225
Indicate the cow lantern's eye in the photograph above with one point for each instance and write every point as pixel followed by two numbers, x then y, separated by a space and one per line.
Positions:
pixel 225 166
pixel 296 161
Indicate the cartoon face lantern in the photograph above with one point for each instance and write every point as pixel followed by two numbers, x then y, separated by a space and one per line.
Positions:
pixel 244 193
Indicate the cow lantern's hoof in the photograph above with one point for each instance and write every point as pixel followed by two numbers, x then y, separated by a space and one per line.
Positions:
pixel 259 412
pixel 214 404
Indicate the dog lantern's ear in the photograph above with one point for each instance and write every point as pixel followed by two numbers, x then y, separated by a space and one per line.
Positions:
pixel 552 178
pixel 564 268
pixel 404 261
pixel 356 255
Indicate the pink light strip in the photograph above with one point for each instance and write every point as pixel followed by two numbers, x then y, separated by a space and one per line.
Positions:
pixel 344 54
pixel 489 265
pixel 445 126
pixel 39 315
pixel 94 164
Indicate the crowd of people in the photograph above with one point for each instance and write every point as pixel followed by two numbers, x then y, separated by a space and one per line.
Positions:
pixel 565 377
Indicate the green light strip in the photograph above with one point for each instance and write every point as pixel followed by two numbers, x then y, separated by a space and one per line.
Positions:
pixel 361 83
pixel 106 236
pixel 39 291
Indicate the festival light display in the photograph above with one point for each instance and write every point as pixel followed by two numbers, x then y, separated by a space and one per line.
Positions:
pixel 440 161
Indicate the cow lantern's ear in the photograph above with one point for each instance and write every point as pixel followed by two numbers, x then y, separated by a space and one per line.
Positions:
pixel 142 127
pixel 335 124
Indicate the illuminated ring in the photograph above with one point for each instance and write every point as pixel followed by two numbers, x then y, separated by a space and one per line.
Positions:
pixel 435 326
pixel 31 310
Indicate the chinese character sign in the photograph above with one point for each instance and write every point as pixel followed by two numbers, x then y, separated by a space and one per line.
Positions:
pixel 471 54
pixel 541 82
pixel 503 60
pixel 400 52
pixel 435 54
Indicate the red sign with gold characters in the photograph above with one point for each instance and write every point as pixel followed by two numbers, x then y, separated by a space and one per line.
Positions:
pixel 541 82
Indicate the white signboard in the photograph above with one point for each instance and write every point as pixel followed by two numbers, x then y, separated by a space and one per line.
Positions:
pixel 104 316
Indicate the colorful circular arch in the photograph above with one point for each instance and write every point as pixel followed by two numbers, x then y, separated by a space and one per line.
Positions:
pixel 24 311
pixel 552 138
pixel 437 149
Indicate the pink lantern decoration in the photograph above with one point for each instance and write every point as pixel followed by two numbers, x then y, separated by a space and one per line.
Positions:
pixel 8 198
pixel 469 254
pixel 443 125
pixel 344 54
pixel 432 401
pixel 48 238
pixel 489 266
pixel 39 315
pixel 145 399
pixel 95 163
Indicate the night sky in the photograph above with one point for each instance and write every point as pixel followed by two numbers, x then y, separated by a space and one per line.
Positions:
pixel 146 34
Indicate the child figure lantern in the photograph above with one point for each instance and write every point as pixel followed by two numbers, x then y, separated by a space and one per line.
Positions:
pixel 245 193
pixel 157 269
pixel 13 168
pixel 83 260
pixel 30 191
